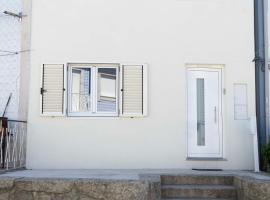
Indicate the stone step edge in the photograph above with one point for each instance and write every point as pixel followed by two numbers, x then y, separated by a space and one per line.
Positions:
pixel 195 199
pixel 201 187
pixel 196 179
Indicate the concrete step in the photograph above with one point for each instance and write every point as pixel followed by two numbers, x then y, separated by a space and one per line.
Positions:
pixel 196 180
pixel 197 199
pixel 198 191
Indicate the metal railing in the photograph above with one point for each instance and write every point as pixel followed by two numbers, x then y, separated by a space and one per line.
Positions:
pixel 12 144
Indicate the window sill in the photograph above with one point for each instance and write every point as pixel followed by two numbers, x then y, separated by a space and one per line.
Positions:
pixel 91 116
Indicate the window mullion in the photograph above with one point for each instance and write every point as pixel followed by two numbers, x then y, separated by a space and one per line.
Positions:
pixel 94 90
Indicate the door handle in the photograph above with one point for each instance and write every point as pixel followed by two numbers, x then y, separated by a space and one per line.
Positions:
pixel 215 110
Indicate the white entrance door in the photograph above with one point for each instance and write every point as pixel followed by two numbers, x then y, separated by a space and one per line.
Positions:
pixel 204 113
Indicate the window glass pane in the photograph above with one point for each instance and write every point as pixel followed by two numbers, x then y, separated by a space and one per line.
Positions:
pixel 200 113
pixel 106 94
pixel 81 90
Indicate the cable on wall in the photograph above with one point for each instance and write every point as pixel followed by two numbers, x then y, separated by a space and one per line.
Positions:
pixel 10 53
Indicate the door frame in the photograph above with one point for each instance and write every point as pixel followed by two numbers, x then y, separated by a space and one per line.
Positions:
pixel 207 67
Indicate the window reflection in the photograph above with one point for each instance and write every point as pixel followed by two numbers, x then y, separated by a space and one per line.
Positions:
pixel 81 89
pixel 106 101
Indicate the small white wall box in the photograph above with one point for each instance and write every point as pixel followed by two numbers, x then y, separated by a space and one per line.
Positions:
pixel 240 101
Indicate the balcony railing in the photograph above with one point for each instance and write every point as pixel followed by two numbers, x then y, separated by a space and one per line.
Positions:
pixel 12 144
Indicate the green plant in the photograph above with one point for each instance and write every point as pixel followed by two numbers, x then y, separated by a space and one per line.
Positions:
pixel 266 155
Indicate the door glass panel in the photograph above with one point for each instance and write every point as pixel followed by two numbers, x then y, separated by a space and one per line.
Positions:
pixel 200 112
pixel 106 94
pixel 81 90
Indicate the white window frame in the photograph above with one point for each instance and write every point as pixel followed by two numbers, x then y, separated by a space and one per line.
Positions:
pixel 94 90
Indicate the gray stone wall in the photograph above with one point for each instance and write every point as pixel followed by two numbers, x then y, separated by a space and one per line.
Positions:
pixel 145 188
pixel 71 189
pixel 249 188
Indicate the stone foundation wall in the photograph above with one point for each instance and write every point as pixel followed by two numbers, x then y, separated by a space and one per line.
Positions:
pixel 69 189
pixel 145 188
pixel 249 188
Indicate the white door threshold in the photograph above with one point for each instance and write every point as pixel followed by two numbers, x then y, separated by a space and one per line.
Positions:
pixel 205 159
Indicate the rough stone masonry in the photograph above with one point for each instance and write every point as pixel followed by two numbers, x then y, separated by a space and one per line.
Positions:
pixel 145 186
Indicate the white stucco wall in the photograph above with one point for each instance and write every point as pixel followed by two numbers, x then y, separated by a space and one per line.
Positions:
pixel 166 35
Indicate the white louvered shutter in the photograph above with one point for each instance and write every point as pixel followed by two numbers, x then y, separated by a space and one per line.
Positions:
pixel 133 90
pixel 52 90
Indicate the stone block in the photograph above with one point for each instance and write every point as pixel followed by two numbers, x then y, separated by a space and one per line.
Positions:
pixel 45 185
pixel 252 189
pixel 6 183
pixel 22 195
pixel 112 190
pixel 4 195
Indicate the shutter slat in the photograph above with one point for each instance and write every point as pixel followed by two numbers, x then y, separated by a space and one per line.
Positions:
pixel 53 86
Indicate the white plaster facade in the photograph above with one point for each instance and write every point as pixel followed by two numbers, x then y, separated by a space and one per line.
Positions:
pixel 167 35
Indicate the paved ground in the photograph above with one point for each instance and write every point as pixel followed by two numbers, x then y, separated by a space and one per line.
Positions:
pixel 122 174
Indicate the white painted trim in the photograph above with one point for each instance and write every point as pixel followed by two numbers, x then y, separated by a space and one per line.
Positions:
pixel 222 111
pixel 204 65
pixel 65 91
pixel 145 90
pixel 93 90
pixel 88 114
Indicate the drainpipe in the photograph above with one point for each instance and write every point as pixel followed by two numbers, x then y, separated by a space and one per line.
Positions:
pixel 260 76
pixel 267 83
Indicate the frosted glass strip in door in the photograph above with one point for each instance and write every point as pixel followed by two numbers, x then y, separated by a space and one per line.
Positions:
pixel 200 113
